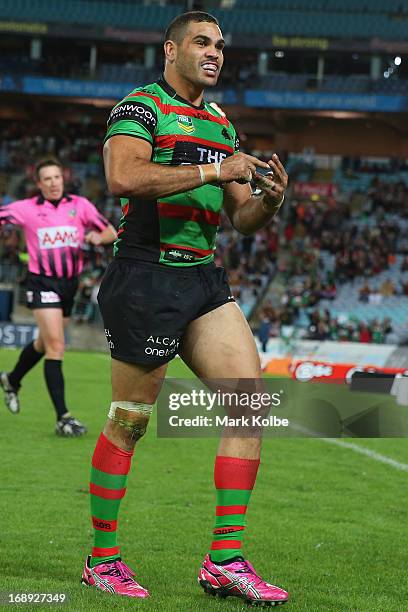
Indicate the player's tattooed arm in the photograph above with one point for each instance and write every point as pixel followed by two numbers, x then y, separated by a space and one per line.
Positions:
pixel 249 213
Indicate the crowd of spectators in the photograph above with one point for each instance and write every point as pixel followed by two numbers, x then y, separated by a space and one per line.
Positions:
pixel 359 248
pixel 323 326
pixel 352 166
pixel 329 241
pixel 250 260
pixel 386 197
pixel 23 142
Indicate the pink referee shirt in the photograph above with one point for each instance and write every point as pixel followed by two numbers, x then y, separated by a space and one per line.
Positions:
pixel 54 234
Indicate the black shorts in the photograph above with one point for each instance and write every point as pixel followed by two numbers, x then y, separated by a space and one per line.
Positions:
pixel 50 292
pixel 146 307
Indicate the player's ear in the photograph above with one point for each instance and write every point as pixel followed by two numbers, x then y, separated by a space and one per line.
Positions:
pixel 170 51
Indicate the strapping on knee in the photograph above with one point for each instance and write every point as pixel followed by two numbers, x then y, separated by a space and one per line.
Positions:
pixel 132 416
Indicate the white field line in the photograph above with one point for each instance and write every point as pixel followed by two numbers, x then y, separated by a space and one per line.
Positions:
pixel 371 454
pixel 362 450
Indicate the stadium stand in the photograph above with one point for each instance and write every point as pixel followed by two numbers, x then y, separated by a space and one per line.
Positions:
pixel 296 18
pixel 343 266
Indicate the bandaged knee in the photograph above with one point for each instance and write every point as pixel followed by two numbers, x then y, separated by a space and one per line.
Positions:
pixel 132 416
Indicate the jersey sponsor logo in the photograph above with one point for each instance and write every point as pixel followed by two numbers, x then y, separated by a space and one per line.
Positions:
pixel 134 111
pixel 195 153
pixel 72 212
pixel 237 143
pixel 209 156
pixel 29 296
pixel 176 255
pixel 161 346
pixel 58 237
pixel 185 123
pixel 164 340
pixel 226 134
pixel 49 297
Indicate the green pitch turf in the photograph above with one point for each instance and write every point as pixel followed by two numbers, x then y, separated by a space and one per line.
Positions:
pixel 324 522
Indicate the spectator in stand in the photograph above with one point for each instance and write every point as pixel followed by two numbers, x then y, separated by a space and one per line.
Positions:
pixel 365 333
pixel 388 288
pixel 364 293
pixel 387 326
pixel 264 330
pixel 377 332
pixel 375 298
pixel 404 264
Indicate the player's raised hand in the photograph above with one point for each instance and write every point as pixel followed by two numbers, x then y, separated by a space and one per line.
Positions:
pixel 240 168
pixel 273 184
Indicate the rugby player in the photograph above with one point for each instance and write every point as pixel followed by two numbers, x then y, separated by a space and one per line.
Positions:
pixel 55 225
pixel 174 161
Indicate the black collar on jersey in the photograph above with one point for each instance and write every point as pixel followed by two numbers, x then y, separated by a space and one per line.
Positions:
pixel 65 196
pixel 173 93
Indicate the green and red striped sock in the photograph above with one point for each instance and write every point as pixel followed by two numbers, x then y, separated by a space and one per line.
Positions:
pixel 234 480
pixel 110 467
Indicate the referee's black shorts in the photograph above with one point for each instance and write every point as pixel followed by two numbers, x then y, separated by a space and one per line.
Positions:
pixel 51 292
pixel 146 307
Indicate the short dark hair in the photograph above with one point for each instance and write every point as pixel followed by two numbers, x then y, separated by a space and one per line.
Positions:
pixel 43 163
pixel 175 30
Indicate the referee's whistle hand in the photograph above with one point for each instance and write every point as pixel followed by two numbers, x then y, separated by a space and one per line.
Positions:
pixel 93 238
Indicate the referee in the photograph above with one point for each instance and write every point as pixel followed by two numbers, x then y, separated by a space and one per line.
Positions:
pixel 55 225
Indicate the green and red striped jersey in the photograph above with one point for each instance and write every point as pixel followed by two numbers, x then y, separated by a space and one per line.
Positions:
pixel 177 230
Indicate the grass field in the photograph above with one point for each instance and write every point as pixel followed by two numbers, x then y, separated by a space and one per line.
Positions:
pixel 327 523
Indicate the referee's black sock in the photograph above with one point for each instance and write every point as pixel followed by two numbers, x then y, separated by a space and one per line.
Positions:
pixel 29 357
pixel 55 385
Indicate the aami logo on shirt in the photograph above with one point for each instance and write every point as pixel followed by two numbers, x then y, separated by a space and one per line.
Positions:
pixel 58 237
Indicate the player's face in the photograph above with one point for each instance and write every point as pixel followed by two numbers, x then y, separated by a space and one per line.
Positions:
pixel 200 55
pixel 51 182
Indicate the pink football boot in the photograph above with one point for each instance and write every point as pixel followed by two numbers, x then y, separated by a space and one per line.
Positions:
pixel 114 577
pixel 239 579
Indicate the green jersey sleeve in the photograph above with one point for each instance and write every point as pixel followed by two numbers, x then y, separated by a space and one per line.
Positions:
pixel 134 116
